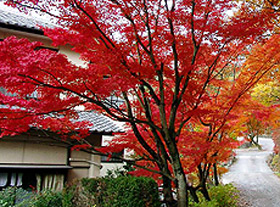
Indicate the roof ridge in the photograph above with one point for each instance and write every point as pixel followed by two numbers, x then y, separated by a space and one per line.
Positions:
pixel 20 19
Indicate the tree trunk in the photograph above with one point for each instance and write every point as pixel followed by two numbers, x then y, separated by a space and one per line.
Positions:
pixel 216 177
pixel 205 193
pixel 179 174
pixel 257 144
pixel 193 194
pixel 168 198
pixel 182 193
pixel 203 175
pixel 181 181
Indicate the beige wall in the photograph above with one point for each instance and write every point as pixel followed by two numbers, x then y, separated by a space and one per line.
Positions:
pixel 76 174
pixel 23 153
pixel 85 163
pixel 33 149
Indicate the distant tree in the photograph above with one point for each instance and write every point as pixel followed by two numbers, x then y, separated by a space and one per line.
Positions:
pixel 268 93
pixel 255 128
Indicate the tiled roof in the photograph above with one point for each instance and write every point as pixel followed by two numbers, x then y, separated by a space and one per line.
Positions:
pixel 18 19
pixel 101 123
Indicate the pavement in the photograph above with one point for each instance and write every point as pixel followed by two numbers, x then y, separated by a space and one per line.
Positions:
pixel 257 183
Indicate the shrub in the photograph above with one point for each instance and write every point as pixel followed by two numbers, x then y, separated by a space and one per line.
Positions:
pixel 133 191
pixel 225 195
pixel 204 203
pixel 18 197
pixel 68 196
pixel 122 191
pixel 110 191
pixel 47 198
pixel 13 196
pixel 275 163
pixel 7 197
pixel 221 196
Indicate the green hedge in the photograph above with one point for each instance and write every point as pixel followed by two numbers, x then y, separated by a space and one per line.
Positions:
pixel 12 196
pixel 121 191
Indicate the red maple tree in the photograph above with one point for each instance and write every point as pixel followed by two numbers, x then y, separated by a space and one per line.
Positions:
pixel 174 64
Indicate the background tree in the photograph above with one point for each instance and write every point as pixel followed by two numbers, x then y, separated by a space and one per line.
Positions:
pixel 166 60
pixel 268 93
pixel 256 120
pixel 255 128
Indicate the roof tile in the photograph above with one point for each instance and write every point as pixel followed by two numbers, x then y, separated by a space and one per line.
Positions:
pixel 21 20
pixel 100 122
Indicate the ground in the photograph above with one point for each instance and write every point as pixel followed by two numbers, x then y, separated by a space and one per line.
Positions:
pixel 258 185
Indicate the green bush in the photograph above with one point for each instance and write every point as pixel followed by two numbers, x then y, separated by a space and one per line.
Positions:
pixel 275 163
pixel 122 191
pixel 13 196
pixel 225 195
pixel 68 196
pixel 109 191
pixel 50 198
pixel 17 197
pixel 47 198
pixel 204 203
pixel 7 197
pixel 221 196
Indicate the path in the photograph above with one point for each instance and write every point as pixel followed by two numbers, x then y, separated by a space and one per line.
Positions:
pixel 251 175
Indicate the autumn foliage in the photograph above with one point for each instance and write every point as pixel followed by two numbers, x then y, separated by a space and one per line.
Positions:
pixel 183 71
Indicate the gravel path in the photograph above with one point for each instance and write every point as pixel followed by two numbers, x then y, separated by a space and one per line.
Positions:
pixel 258 185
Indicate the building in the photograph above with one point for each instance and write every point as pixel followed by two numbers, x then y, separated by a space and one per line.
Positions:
pixel 39 159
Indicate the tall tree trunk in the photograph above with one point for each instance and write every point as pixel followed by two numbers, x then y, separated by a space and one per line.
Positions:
pixel 182 192
pixel 179 174
pixel 181 181
pixel 168 198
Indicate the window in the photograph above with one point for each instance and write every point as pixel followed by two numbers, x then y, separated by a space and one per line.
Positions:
pixel 10 179
pixel 30 180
